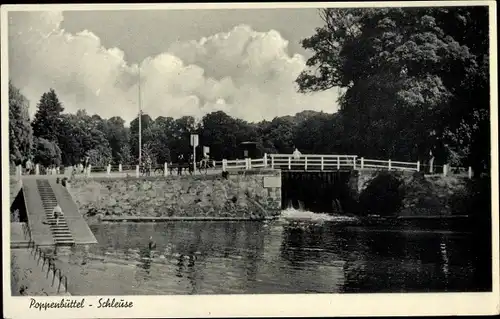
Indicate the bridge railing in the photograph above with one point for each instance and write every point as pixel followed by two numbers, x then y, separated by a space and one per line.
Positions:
pixel 365 163
pixel 312 162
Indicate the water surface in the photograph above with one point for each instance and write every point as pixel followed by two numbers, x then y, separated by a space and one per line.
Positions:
pixel 279 257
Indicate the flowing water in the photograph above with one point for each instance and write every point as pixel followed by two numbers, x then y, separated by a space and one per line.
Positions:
pixel 300 253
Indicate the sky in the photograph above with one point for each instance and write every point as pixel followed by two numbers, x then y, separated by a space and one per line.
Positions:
pixel 192 62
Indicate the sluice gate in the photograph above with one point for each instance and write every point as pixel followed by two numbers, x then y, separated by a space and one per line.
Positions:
pixel 325 192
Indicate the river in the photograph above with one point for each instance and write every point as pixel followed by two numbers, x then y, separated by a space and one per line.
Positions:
pixel 316 256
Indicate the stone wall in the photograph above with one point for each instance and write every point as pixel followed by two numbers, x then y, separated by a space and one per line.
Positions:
pixel 241 195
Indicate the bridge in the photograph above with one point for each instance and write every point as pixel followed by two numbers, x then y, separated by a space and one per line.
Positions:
pixel 37 198
pixel 286 162
pixel 314 162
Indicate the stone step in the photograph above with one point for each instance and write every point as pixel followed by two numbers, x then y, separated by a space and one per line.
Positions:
pixel 61 231
pixel 62 236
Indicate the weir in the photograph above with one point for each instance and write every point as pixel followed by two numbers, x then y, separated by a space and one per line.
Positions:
pixel 317 191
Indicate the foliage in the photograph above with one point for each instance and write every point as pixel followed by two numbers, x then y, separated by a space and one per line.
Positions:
pixel 20 131
pixel 47 121
pixel 46 152
pixel 383 196
pixel 416 75
pixel 99 156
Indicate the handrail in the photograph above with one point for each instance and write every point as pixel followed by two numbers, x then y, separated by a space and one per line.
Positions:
pixel 47 259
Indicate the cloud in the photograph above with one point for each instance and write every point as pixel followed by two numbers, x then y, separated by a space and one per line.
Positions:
pixel 247 74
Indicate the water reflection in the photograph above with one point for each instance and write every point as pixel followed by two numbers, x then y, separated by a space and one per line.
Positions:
pixel 235 257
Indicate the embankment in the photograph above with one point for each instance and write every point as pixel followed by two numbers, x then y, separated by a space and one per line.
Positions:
pixel 29 279
pixel 411 194
pixel 253 195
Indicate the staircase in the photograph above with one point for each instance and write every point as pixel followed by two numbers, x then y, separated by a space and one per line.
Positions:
pixel 60 232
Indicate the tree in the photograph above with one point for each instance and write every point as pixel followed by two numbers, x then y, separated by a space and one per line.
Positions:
pixel 125 157
pixel 146 133
pixel 407 74
pixel 78 134
pixel 46 152
pixel 20 131
pixel 47 121
pixel 163 136
pixel 117 135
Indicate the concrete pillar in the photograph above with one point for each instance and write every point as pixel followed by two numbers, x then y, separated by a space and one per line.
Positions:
pixel 165 169
pixel 390 165
pixel 362 162
pixel 137 172
pixel 265 159
pixel 418 166
pixel 37 169
pixel 224 165
pixel 120 168
pixel 470 172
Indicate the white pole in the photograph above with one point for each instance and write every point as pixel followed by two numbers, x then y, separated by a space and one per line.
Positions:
pixel 390 165
pixel 445 169
pixel 418 166
pixel 120 168
pixel 354 161
pixel 272 161
pixel 165 167
pixel 265 159
pixel 322 163
pixel 224 165
pixel 37 169
pixel 362 162
pixel 89 169
pixel 137 171
pixel 305 163
pixel 338 162
pixel 194 159
pixel 108 169
pixel 289 162
pixel 470 172
pixel 140 118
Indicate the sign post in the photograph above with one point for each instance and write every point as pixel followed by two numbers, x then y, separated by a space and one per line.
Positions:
pixel 194 144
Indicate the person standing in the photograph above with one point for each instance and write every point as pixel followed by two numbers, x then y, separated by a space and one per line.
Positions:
pixel 180 163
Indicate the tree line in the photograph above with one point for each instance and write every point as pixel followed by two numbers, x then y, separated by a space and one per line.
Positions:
pixel 415 82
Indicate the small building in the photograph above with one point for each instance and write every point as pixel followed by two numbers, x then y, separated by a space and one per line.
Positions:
pixel 250 150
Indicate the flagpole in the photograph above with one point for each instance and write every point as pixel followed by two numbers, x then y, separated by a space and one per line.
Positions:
pixel 140 118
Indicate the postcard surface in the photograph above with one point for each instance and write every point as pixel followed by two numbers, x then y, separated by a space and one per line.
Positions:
pixel 223 160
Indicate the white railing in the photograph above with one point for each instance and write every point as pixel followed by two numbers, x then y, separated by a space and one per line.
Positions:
pixel 306 162
pixel 312 162
pixel 365 163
